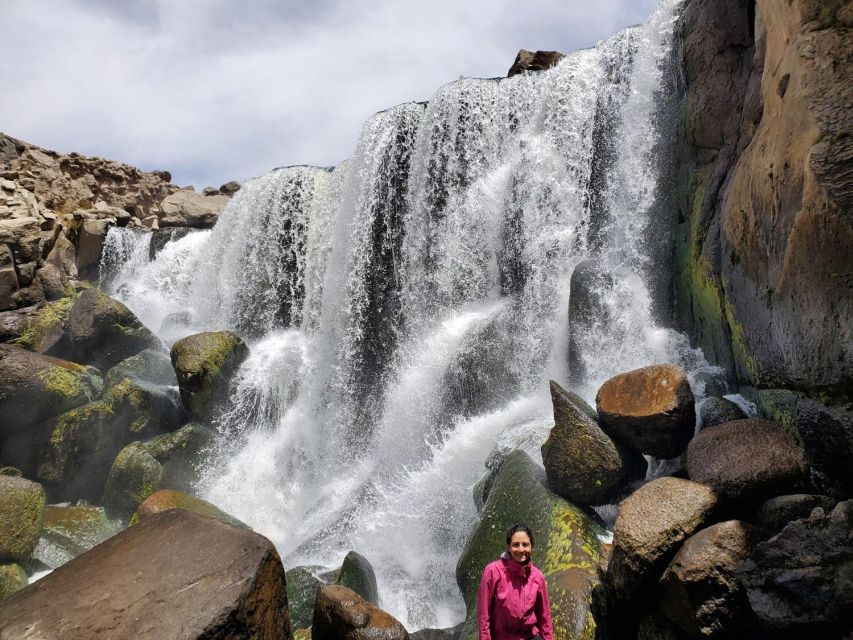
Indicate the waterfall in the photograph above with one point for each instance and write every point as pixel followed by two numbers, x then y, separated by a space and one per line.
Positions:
pixel 406 309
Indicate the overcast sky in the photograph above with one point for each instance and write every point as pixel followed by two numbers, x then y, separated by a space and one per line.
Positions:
pixel 214 90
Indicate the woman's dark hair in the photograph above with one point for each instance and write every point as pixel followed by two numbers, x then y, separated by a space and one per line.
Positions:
pixel 519 528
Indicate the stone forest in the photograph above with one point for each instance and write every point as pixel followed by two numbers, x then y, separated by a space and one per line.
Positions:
pixel 609 296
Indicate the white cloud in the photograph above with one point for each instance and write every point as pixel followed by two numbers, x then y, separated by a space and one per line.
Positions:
pixel 213 92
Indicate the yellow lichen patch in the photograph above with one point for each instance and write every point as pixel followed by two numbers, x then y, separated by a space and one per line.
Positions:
pixel 61 381
pixel 45 322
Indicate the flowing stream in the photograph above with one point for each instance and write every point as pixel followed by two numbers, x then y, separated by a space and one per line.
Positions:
pixel 406 309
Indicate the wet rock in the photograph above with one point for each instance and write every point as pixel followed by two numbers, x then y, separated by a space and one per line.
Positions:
pixel 12 578
pixel 69 531
pixel 582 463
pixel 800 582
pixel 650 409
pixel 204 364
pixel 44 327
pixel 149 365
pixel 773 515
pixel 162 237
pixel 700 592
pixel 302 588
pixel 341 614
pixel 191 209
pixel 167 499
pixel 534 61
pixel 747 461
pixel 484 485
pixel 357 574
pixel 175 575
pixel 650 526
pixel 21 514
pixel 567 544
pixel 716 411
pixel 588 313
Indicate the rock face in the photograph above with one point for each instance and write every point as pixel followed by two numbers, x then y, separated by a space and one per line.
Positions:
pixel 176 575
pixel 357 574
pixel 700 592
pixel 650 409
pixel 21 514
pixel 800 582
pixel 190 209
pixel 341 614
pixel 534 61
pixel 567 546
pixel 650 526
pixel 204 364
pixel 764 187
pixel 582 463
pixel 747 460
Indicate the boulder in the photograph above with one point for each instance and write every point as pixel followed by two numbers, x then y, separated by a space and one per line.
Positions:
pixel 567 545
pixel 582 463
pixel 800 582
pixel 773 515
pixel 21 514
pixel 229 188
pixel 175 575
pixel 34 388
pixel 716 411
pixel 44 327
pixel 534 61
pixel 191 209
pixel 102 332
pixel 302 588
pixel 13 578
pixel 69 531
pixel 166 499
pixel 747 461
pixel 149 365
pixel 162 237
pixel 204 364
pixel 650 526
pixel 342 614
pixel 166 462
pixel 650 409
pixel 700 592
pixel 357 574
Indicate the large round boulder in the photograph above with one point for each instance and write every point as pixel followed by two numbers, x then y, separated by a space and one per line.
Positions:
pixel 800 582
pixel 21 515
pixel 342 614
pixel 651 409
pixel 204 364
pixel 567 545
pixel 102 332
pixel 167 499
pixel 747 461
pixel 650 526
pixel 582 463
pixel 175 575
pixel 357 574
pixel 716 411
pixel 700 591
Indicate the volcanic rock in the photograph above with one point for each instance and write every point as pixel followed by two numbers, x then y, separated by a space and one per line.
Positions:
pixel 582 463
pixel 650 409
pixel 21 514
pixel 191 209
pixel 341 614
pixel 747 461
pixel 175 575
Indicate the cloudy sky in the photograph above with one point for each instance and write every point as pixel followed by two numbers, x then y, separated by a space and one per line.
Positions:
pixel 215 90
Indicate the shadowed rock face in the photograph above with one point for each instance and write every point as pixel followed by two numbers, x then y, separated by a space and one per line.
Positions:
pixel 175 575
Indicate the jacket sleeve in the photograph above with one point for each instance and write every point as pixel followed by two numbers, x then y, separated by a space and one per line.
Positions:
pixel 543 612
pixel 484 603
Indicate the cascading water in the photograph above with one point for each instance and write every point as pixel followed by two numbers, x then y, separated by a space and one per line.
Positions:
pixel 406 309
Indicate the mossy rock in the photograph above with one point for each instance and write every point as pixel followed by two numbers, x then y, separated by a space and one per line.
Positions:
pixel 12 578
pixel 567 546
pixel 166 499
pixel 44 328
pixel 148 409
pixel 302 634
pixel 357 574
pixel 149 365
pixel 179 453
pixel 21 515
pixel 69 531
pixel 302 588
pixel 204 364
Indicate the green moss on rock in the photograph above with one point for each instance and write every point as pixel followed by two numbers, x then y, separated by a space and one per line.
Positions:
pixel 12 578
pixel 22 505
pixel 148 365
pixel 44 328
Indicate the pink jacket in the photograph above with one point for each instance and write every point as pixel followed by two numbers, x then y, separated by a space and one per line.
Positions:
pixel 512 603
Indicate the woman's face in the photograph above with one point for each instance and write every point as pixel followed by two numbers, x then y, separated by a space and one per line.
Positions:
pixel 519 547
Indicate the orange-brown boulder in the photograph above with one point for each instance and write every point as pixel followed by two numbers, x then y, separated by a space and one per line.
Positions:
pixel 341 614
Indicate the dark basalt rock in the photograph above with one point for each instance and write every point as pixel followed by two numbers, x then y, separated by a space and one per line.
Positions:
pixel 357 574
pixel 715 411
pixel 175 575
pixel 162 237
pixel 773 515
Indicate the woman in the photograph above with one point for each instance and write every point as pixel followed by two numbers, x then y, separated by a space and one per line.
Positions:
pixel 512 603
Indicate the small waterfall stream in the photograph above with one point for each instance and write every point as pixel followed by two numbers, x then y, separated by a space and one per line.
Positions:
pixel 406 309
